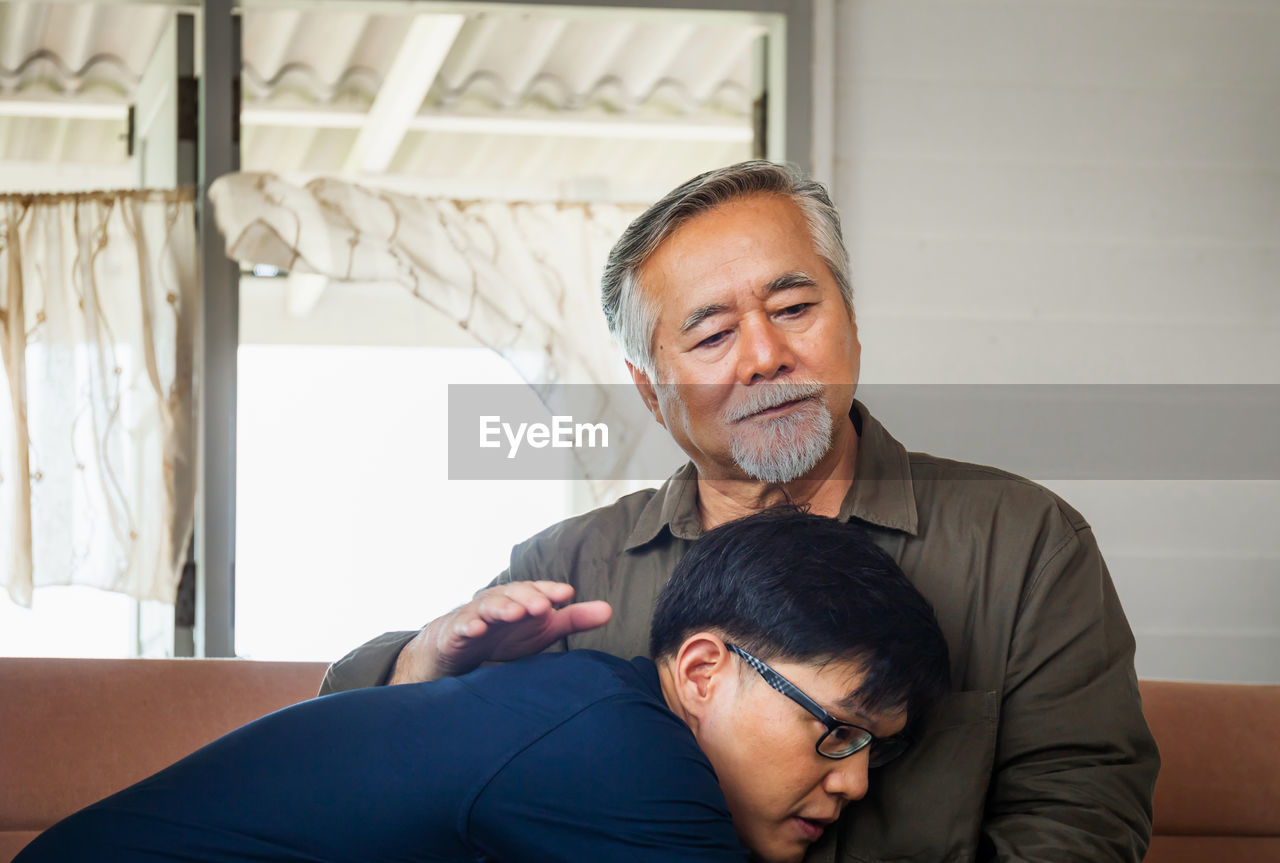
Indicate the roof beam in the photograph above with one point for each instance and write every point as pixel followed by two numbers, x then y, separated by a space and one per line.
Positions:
pixel 557 124
pixel 412 72
pixel 586 126
pixel 71 108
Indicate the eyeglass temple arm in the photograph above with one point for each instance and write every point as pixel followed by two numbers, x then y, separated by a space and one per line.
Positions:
pixel 786 687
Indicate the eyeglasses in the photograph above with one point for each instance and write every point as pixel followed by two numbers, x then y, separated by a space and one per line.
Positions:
pixel 841 739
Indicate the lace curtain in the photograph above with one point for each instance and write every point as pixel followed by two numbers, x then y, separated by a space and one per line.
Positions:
pixel 98 297
pixel 523 278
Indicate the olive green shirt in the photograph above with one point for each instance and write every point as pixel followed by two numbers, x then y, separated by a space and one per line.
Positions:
pixel 1040 753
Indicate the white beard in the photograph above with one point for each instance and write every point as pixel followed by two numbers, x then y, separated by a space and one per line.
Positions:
pixel 784 448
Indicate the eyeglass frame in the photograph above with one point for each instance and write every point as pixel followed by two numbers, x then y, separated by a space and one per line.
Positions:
pixel 896 744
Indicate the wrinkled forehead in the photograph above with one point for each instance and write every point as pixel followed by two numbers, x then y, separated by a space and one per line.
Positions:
pixel 731 230
pixel 720 274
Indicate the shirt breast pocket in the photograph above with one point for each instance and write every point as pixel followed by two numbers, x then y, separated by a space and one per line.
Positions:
pixel 928 805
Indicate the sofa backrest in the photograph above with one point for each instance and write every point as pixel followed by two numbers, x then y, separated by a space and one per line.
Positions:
pixel 1218 794
pixel 75 730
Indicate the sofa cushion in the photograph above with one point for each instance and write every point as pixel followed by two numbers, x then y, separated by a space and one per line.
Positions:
pixel 13 841
pixel 75 730
pixel 1220 759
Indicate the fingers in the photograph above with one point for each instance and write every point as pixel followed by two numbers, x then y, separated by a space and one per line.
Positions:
pixel 576 617
pixel 513 620
pixel 508 603
pixel 519 613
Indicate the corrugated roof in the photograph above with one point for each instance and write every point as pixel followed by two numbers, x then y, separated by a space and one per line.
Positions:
pixel 519 103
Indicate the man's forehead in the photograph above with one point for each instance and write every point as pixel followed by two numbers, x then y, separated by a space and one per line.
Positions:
pixel 747 244
pixel 843 681
pixel 855 705
pixel 733 228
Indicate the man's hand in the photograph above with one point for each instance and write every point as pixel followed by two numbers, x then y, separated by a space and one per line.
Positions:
pixel 504 622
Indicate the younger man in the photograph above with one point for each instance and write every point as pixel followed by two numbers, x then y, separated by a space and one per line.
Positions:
pixel 789 656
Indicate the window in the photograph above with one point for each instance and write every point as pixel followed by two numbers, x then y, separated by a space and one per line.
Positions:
pixel 347 525
pixel 341 387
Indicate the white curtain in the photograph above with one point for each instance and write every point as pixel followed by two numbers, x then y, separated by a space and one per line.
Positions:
pixel 98 297
pixel 523 278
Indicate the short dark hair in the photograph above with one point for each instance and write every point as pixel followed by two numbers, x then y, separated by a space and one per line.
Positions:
pixel 785 584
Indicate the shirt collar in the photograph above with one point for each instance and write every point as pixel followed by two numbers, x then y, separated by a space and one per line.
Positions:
pixel 881 494
pixel 674 506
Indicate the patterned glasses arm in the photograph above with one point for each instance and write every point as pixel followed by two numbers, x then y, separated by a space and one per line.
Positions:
pixel 786 687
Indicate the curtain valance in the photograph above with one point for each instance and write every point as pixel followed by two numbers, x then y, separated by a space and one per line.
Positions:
pixel 523 278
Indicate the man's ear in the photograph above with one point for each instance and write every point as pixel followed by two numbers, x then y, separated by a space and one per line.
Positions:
pixel 645 386
pixel 704 673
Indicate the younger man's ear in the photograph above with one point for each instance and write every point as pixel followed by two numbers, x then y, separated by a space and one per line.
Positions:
pixel 645 386
pixel 702 673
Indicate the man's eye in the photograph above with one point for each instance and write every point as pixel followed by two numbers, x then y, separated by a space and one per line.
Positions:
pixel 711 341
pixel 793 311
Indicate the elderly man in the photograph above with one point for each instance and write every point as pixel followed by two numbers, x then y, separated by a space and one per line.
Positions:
pixel 732 301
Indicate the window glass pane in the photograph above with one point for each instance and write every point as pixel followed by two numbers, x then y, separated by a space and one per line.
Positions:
pixel 347 525
pixel 85 621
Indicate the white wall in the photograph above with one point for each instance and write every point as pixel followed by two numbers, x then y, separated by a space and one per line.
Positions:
pixel 1048 191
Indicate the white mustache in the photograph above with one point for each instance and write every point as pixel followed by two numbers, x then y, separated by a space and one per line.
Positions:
pixel 770 396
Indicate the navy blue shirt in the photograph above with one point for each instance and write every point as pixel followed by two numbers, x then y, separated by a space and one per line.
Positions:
pixel 558 757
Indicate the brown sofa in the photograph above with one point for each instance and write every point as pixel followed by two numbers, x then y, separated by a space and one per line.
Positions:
pixel 73 731
pixel 1218 794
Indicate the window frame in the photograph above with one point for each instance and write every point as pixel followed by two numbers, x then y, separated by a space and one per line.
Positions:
pixel 798 129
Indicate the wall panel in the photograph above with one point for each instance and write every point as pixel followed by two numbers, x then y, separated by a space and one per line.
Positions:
pixel 1084 192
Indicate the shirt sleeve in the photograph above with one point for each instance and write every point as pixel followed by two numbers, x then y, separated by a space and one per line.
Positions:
pixel 568 551
pixel 1075 763
pixel 370 664
pixel 620 781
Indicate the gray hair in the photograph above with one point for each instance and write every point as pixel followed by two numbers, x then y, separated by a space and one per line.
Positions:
pixel 632 317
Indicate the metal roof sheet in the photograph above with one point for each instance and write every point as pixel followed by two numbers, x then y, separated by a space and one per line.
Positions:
pixel 545 103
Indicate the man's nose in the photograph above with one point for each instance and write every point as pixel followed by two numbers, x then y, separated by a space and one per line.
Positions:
pixel 764 351
pixel 847 777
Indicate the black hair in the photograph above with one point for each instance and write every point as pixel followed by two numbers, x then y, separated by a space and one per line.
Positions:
pixel 785 584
